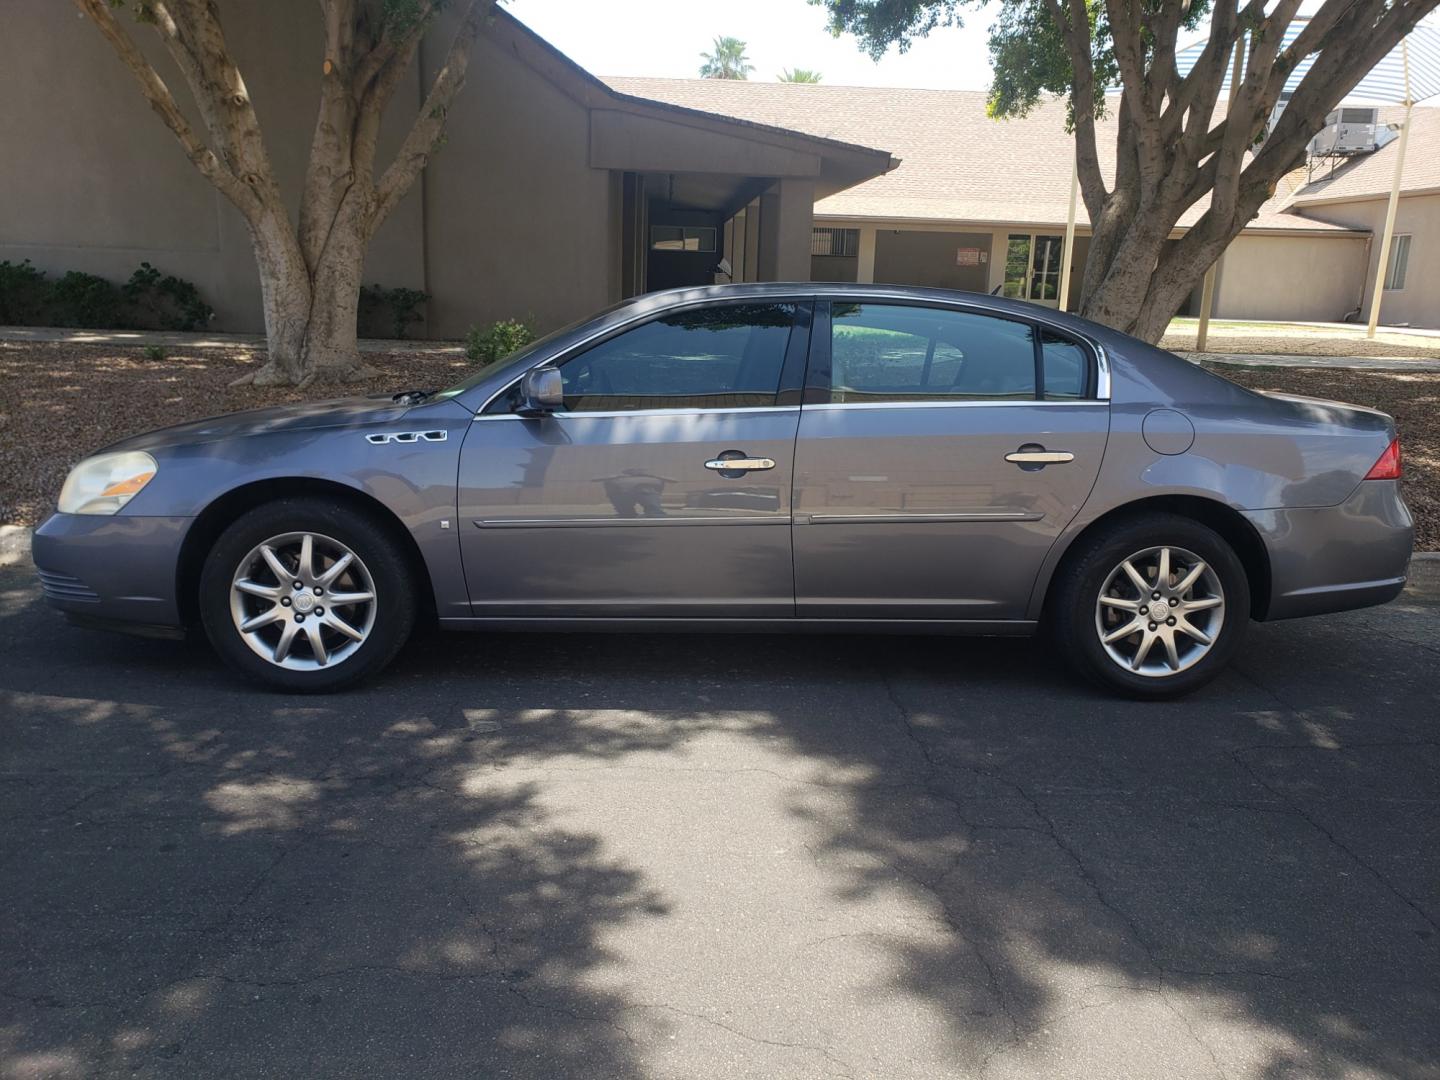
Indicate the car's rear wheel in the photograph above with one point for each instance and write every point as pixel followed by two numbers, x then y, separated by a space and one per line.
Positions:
pixel 1151 606
pixel 307 595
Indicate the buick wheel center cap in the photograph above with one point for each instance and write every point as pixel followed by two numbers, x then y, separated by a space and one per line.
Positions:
pixel 304 602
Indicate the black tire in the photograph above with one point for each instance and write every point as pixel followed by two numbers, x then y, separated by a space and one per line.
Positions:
pixel 379 555
pixel 1076 594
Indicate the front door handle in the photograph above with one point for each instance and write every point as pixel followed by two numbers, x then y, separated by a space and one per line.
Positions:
pixel 740 464
pixel 1039 456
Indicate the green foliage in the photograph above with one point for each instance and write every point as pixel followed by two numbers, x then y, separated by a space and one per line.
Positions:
pixel 86 301
pixel 389 312
pixel 728 61
pixel 155 352
pixel 804 75
pixel 24 294
pixel 498 340
pixel 165 302
pixel 1027 48
pixel 401 17
pixel 150 300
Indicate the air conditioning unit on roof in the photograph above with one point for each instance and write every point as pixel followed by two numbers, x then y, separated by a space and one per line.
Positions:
pixel 1351 130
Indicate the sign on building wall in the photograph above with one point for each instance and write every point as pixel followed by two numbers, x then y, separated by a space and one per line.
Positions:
pixel 969 256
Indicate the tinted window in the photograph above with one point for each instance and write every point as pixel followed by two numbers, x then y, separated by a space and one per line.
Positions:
pixel 727 356
pixel 886 352
pixel 1067 366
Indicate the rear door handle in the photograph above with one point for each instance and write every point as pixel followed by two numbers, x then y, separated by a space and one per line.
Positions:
pixel 1040 457
pixel 742 464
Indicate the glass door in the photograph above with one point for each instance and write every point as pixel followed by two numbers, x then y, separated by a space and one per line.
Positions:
pixel 1032 268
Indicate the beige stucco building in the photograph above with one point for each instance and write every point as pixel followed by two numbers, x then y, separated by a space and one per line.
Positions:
pixel 541 205
pixel 558 193
pixel 981 204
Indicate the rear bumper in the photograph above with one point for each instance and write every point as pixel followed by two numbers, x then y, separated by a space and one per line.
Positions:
pixel 1337 558
pixel 111 570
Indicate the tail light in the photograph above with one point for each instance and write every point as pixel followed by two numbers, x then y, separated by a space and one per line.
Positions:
pixel 1388 467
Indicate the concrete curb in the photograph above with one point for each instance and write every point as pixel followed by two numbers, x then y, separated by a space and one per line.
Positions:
pixel 15 545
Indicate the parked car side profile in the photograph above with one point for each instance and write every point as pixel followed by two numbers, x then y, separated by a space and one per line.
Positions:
pixel 814 457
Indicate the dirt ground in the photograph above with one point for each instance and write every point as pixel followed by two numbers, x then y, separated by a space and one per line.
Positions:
pixel 1298 339
pixel 61 402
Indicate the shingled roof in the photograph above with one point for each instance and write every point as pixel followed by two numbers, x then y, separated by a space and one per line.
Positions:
pixel 1369 176
pixel 956 164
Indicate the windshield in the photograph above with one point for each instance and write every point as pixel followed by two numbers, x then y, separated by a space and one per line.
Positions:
pixel 525 352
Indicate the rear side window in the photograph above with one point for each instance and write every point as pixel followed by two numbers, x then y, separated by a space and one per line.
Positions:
pixel 1066 367
pixel 724 356
pixel 893 352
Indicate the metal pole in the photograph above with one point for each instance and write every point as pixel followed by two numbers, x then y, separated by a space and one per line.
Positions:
pixel 1207 293
pixel 1383 264
pixel 1066 253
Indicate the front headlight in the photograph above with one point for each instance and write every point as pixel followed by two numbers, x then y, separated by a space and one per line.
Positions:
pixel 105 483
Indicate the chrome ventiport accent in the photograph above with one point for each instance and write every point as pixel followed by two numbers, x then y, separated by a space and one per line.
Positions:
pixel 382 437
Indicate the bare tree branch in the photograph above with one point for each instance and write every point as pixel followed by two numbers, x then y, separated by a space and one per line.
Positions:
pixel 158 94
pixel 424 136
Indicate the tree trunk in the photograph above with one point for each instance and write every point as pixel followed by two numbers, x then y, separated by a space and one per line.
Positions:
pixel 310 314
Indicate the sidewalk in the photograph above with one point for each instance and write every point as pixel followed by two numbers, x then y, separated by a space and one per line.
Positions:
pixel 177 340
pixel 1351 363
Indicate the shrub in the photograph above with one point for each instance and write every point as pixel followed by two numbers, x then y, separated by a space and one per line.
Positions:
pixel 150 300
pixel 155 352
pixel 24 294
pixel 164 302
pixel 87 301
pixel 498 340
pixel 389 311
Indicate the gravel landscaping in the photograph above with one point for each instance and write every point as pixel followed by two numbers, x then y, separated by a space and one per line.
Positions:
pixel 59 402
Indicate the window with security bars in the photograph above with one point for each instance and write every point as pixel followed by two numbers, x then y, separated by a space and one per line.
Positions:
pixel 835 242
pixel 1399 262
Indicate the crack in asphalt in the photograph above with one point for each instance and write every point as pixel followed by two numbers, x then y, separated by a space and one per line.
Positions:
pixel 1238 756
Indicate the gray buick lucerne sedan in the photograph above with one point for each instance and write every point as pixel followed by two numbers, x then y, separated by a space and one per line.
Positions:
pixel 757 457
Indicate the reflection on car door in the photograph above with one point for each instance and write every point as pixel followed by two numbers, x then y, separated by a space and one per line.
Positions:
pixel 663 486
pixel 940 453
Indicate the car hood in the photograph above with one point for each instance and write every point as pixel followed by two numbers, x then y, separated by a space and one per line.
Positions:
pixel 340 413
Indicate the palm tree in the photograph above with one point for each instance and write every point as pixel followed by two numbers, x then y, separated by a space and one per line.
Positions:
pixel 799 75
pixel 728 61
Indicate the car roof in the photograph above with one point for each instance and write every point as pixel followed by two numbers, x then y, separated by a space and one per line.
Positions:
pixel 1001 305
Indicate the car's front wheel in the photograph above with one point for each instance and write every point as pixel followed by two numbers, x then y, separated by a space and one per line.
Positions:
pixel 306 595
pixel 1153 606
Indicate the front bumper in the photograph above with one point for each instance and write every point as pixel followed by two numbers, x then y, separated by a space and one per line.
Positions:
pixel 112 570
pixel 1337 558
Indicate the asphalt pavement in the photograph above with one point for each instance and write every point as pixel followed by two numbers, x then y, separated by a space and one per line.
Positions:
pixel 700 856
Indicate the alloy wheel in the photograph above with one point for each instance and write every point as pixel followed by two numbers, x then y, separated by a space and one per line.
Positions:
pixel 302 601
pixel 1160 611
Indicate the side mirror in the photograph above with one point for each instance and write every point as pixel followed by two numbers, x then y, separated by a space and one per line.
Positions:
pixel 541 391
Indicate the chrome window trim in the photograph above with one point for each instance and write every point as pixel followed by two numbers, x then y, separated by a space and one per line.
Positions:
pixel 966 403
pixel 1102 360
pixel 689 411
pixel 786 298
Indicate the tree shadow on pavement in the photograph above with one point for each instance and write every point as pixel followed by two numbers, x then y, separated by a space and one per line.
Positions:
pixel 652 856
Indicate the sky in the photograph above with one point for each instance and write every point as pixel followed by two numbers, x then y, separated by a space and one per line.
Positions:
pixel 666 37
